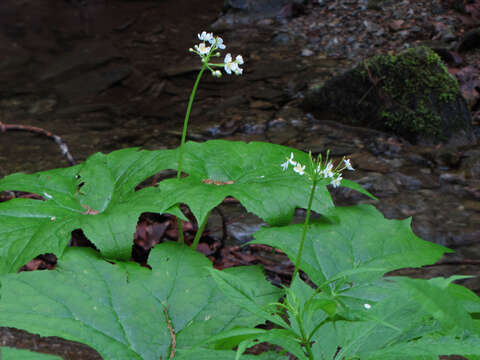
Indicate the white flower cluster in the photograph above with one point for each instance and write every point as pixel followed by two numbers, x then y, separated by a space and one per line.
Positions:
pixel 205 51
pixel 324 170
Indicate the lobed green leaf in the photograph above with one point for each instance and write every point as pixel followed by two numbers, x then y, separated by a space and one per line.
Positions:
pixel 354 243
pixel 7 353
pixel 121 309
pixel 97 196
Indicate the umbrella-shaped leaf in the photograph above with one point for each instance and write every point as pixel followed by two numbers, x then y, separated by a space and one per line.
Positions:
pixel 125 311
pixel 417 319
pixel 97 196
pixel 355 242
pixel 251 173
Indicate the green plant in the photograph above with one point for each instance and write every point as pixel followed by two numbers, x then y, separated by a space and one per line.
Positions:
pixel 182 308
pixel 16 354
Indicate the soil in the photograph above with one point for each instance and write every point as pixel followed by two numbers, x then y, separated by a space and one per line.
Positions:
pixel 105 74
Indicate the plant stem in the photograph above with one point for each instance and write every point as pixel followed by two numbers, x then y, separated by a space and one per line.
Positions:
pixel 199 233
pixel 305 339
pixel 184 136
pixel 185 122
pixel 305 228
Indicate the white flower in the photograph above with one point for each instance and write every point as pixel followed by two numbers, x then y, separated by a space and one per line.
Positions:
pixel 348 165
pixel 327 172
pixel 299 169
pixel 204 36
pixel 239 60
pixel 232 66
pixel 202 49
pixel 229 64
pixel 288 161
pixel 336 182
pixel 218 43
pixel 367 306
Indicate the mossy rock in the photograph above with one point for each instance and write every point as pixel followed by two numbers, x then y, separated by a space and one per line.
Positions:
pixel 410 94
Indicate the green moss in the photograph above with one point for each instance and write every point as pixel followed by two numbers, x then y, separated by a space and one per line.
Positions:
pixel 410 84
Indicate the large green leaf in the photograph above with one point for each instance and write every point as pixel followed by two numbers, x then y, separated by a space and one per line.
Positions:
pixel 18 354
pixel 121 309
pixel 97 196
pixel 355 243
pixel 208 354
pixel 418 318
pixel 251 173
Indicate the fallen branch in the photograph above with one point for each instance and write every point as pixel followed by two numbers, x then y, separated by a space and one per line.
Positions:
pixel 58 140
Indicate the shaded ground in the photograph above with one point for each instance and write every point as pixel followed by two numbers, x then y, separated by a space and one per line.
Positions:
pixel 107 74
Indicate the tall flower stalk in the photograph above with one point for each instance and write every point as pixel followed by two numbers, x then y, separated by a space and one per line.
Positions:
pixel 208 47
pixel 318 169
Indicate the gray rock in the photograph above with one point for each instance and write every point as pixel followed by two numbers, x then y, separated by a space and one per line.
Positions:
pixel 411 94
pixel 251 11
pixel 470 164
pixel 13 55
pixel 378 184
pixel 93 82
pixel 84 57
pixel 470 40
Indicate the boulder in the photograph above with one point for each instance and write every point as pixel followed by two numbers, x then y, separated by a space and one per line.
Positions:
pixel 251 11
pixel 410 94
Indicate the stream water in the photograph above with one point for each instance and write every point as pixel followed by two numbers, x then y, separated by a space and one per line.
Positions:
pixel 106 75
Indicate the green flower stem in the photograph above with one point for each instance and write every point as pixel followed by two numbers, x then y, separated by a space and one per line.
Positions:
pixel 305 228
pixel 184 136
pixel 187 116
pixel 199 233
pixel 305 339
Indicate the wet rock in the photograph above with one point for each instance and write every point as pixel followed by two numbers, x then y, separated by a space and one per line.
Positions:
pixel 366 161
pixel 470 164
pixel 470 40
pixel 281 131
pixel 233 224
pixel 378 184
pixel 76 110
pixel 274 69
pixel 266 7
pixel 93 82
pixel 244 12
pixel 13 55
pixel 269 94
pixel 411 94
pixel 84 57
pixel 452 178
pixel 282 38
pixel 407 181
pixel 377 4
pixel 472 205
pixel 42 106
pixel 469 81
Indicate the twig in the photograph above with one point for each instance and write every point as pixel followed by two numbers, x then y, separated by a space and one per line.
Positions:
pixel 172 333
pixel 58 140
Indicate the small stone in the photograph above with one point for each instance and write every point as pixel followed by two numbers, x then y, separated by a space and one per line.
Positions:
pixel 307 52
pixel 452 178
pixel 261 105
